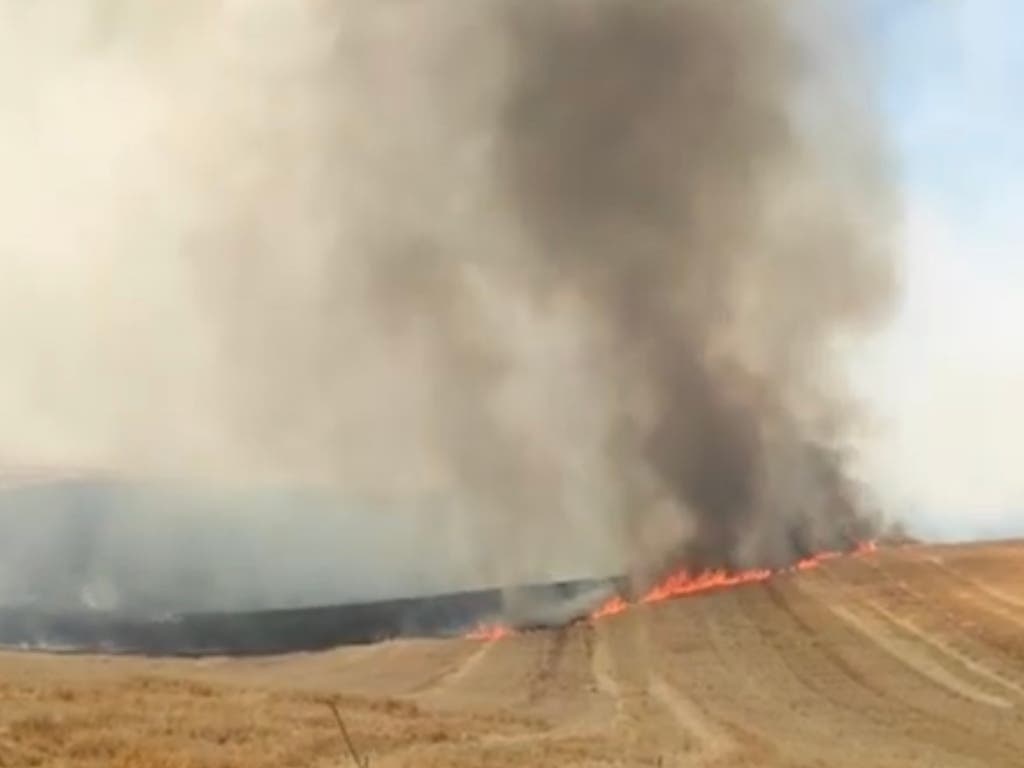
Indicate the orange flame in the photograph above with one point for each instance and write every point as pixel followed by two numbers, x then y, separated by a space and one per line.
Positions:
pixel 683 583
pixel 489 632
pixel 613 606
pixel 866 547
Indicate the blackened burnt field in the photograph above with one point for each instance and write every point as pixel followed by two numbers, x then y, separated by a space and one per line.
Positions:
pixel 286 630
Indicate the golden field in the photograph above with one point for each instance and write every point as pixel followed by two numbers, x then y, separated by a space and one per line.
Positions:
pixel 903 657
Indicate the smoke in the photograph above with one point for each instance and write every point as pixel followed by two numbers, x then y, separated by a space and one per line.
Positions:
pixel 578 274
pixel 714 249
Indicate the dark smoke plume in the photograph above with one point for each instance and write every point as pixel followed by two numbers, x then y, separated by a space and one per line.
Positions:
pixel 654 156
pixel 573 278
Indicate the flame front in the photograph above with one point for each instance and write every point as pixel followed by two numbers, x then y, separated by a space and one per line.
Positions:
pixel 683 583
pixel 489 632
pixel 613 606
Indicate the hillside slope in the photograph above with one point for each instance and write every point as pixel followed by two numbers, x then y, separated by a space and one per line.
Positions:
pixel 908 657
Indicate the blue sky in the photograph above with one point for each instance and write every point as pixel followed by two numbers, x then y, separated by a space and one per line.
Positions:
pixel 954 98
pixel 948 377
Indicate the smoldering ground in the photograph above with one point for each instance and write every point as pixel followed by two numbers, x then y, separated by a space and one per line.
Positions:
pixel 574 276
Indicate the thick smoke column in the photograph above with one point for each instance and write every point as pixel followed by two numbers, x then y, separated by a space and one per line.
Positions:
pixel 572 277
pixel 714 248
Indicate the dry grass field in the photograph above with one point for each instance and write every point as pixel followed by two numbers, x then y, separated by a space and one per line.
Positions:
pixel 909 657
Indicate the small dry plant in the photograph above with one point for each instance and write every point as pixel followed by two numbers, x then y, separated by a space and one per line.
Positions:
pixel 359 761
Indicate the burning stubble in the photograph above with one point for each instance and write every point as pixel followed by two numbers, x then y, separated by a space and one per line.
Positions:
pixel 574 272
